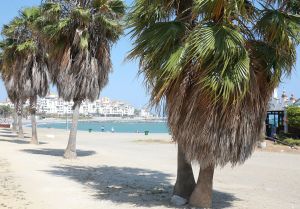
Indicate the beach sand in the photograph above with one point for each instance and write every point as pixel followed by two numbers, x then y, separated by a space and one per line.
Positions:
pixel 122 171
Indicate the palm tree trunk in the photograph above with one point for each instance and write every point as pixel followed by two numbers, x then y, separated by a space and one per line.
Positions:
pixel 34 138
pixel 20 116
pixel 202 195
pixel 15 119
pixel 185 182
pixel 70 152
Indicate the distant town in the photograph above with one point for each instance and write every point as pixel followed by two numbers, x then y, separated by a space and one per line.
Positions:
pixel 52 105
pixel 103 107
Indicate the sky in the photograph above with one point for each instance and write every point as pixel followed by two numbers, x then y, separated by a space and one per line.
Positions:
pixel 124 84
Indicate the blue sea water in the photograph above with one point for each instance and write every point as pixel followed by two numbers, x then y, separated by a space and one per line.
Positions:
pixel 118 127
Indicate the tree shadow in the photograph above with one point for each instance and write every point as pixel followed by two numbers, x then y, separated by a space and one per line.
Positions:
pixel 5 129
pixel 18 141
pixel 13 136
pixel 58 152
pixel 6 132
pixel 139 187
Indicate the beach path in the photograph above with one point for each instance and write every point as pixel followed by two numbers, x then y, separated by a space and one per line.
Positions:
pixel 123 171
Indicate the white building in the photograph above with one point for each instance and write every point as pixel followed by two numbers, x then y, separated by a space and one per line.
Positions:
pixel 279 104
pixel 51 104
pixel 145 113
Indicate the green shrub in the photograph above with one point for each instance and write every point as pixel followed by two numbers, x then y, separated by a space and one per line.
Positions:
pixel 293 114
pixel 293 142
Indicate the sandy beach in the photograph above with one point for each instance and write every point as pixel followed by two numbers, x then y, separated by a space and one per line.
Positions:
pixel 115 171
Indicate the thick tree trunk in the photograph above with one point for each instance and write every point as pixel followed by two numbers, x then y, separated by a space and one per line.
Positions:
pixel 20 116
pixel 15 119
pixel 185 182
pixel 70 152
pixel 202 195
pixel 34 138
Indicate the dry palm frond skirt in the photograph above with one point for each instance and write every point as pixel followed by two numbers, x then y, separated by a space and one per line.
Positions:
pixel 214 135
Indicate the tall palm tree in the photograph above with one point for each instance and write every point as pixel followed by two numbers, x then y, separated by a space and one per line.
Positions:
pixel 24 63
pixel 12 92
pixel 79 35
pixel 13 99
pixel 216 63
pixel 11 95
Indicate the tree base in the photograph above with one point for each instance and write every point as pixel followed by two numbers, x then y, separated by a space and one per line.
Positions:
pixel 70 154
pixel 178 201
pixel 184 187
pixel 202 194
pixel 34 141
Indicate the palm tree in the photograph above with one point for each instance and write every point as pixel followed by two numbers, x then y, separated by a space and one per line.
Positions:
pixel 14 111
pixel 11 89
pixel 79 35
pixel 11 97
pixel 24 64
pixel 216 64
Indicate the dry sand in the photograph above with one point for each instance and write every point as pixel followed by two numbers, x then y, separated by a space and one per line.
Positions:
pixel 115 171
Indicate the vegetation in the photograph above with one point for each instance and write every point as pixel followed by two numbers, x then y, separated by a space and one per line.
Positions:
pixel 5 111
pixel 24 66
pixel 293 114
pixel 67 40
pixel 216 63
pixel 78 36
pixel 292 142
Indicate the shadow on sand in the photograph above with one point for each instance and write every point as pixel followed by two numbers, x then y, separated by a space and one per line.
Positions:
pixel 18 141
pixel 6 132
pixel 135 186
pixel 12 135
pixel 58 152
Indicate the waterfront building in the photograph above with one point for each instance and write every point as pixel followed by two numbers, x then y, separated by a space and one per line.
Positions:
pixel 276 120
pixel 52 105
pixel 279 104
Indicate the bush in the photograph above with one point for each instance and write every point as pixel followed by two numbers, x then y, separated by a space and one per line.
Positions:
pixel 293 114
pixel 292 142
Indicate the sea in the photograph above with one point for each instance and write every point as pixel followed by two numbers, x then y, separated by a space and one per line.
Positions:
pixel 113 126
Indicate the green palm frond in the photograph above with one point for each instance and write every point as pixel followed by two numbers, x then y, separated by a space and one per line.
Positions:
pixel 78 38
pixel 31 13
pixel 219 9
pixel 26 46
pixel 278 28
pixel 144 13
pixel 159 39
pixel 118 7
pixel 219 51
pixel 213 44
pixel 82 15
pixel 113 28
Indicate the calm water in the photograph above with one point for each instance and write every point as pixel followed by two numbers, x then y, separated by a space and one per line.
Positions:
pixel 119 127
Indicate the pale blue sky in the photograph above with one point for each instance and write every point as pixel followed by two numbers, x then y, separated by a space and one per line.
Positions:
pixel 124 83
